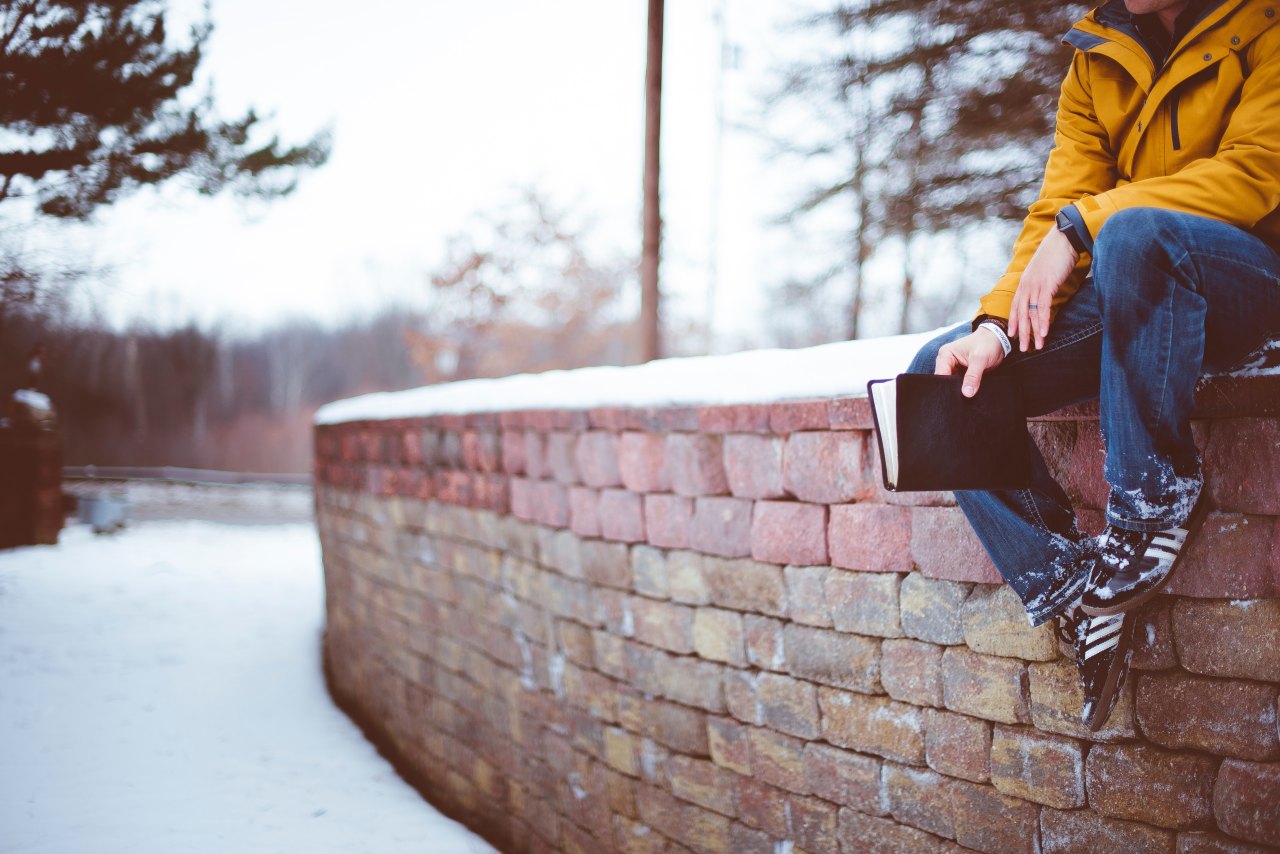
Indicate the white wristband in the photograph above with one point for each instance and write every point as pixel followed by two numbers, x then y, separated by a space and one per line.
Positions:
pixel 994 329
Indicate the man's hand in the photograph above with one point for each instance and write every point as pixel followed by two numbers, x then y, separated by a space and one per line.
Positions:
pixel 1054 260
pixel 977 352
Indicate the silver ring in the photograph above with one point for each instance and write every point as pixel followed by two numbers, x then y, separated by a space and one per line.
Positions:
pixel 1034 306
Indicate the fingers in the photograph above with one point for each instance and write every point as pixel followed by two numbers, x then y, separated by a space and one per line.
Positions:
pixel 972 380
pixel 946 361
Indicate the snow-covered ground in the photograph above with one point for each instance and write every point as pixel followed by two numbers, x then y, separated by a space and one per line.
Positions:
pixel 161 691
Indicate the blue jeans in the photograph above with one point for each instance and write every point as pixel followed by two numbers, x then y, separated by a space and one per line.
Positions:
pixel 1169 295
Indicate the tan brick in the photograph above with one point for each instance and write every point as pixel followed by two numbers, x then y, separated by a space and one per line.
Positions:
pixel 745 585
pixel 995 623
pixel 931 608
pixel 1229 638
pixel 1225 717
pixel 919 798
pixel 778 759
pixel 685 580
pixel 1144 783
pixel 806 594
pixel 764 642
pixel 741 696
pixel 988 821
pixel 576 642
pixel 1246 800
pixel 865 834
pixel 748 840
pixel 957 746
pixel 1057 699
pixel 692 682
pixel 676 726
pixel 718 636
pixel 620 751
pixel 610 654
pixel 789 705
pixel 608 564
pixel 864 603
pixel 1152 637
pixel 702 782
pixel 662 624
pixel 730 744
pixel 653 759
pixel 832 658
pixel 985 686
pixel 649 571
pixel 872 725
pixel 1086 832
pixel 1205 842
pixel 632 837
pixel 911 671
pixel 1046 769
pixel 843 777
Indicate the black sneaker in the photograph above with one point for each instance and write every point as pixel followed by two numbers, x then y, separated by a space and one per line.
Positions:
pixel 1133 566
pixel 1103 647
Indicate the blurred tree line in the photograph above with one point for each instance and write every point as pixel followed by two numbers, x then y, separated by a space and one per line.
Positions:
pixel 932 120
pixel 519 291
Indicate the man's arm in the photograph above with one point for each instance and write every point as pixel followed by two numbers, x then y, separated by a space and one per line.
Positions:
pixel 1240 184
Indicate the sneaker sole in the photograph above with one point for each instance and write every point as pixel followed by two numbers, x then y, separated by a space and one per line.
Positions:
pixel 1193 526
pixel 1107 697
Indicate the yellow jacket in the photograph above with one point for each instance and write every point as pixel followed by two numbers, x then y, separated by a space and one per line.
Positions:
pixel 1199 135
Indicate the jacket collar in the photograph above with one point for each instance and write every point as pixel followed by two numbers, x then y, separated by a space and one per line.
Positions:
pixel 1116 15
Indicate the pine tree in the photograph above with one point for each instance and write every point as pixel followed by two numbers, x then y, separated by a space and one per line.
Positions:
pixel 92 108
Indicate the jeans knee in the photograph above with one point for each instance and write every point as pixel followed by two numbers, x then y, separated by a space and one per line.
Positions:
pixel 927 358
pixel 1135 232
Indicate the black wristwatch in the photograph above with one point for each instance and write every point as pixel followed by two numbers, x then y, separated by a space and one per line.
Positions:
pixel 1068 228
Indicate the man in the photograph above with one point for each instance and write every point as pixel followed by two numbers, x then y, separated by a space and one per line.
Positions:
pixel 1150 256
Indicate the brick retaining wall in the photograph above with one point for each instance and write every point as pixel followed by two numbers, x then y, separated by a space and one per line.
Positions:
pixel 708 629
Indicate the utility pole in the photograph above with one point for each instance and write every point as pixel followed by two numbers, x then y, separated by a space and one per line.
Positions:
pixel 650 331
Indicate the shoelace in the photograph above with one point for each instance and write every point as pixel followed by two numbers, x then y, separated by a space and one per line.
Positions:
pixel 1121 547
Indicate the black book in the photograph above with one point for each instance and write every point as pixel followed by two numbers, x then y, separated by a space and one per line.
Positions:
pixel 932 437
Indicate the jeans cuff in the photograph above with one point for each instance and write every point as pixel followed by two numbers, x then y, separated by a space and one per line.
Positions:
pixel 1053 604
pixel 1145 526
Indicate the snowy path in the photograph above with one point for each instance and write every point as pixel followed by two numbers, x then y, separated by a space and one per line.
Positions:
pixel 160 691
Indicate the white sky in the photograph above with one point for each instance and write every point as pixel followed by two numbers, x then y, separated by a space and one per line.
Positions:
pixel 441 109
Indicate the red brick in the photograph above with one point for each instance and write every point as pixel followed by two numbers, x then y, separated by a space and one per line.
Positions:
pixel 1246 800
pixel 669 419
pixel 761 806
pixel 584 516
pixel 596 455
pixel 792 415
pixel 1229 558
pixel 535 454
pixel 642 461
pixel 870 537
pixel 988 821
pixel 850 413
pixel 551 504
pixel 695 464
pixel 480 450
pixel 1046 769
pixel 754 465
pixel 667 519
pixel 621 515
pixel 943 545
pixel 701 782
pixel 843 777
pixel 813 824
pixel 721 526
pixel 734 418
pixel 1226 717
pixel 1203 842
pixel 826 467
pixel 789 532
pixel 1242 465
pixel 1086 832
pixel 729 743
pixel 1143 783
pixel 560 463
pixel 957 745
pixel 513 451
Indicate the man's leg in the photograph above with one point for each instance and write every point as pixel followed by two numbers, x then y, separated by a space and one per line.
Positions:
pixel 1178 294
pixel 1030 533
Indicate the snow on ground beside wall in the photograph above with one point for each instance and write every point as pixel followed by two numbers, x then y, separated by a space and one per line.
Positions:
pixel 751 376
pixel 161 691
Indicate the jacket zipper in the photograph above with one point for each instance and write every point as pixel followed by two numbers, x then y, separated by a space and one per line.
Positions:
pixel 1173 120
